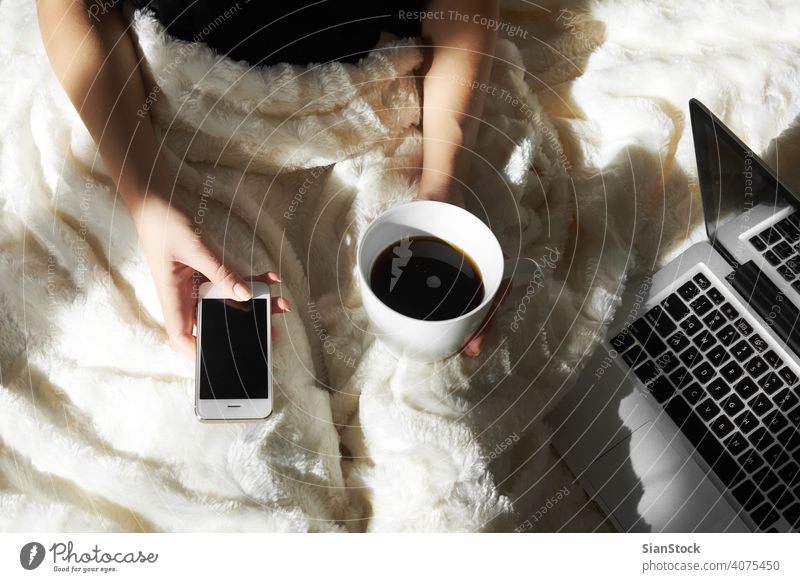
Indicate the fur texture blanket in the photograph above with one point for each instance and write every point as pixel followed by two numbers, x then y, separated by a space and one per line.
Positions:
pixel 587 167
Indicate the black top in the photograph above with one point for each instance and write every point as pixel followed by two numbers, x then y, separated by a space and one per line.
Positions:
pixel 264 32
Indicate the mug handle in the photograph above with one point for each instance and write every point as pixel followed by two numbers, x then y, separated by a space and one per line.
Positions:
pixel 516 268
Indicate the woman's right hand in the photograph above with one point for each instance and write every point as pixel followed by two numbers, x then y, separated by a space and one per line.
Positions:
pixel 180 261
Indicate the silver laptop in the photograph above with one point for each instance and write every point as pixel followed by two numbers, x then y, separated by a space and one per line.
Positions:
pixel 688 417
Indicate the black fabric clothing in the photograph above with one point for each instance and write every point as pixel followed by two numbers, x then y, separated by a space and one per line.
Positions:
pixel 264 32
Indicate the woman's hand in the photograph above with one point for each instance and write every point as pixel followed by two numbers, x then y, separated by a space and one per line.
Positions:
pixel 180 262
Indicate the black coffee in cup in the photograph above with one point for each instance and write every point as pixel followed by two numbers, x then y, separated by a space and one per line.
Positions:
pixel 425 277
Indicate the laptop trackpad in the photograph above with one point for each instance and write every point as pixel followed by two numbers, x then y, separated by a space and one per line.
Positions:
pixel 648 485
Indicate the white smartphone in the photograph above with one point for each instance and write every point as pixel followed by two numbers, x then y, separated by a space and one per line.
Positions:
pixel 233 375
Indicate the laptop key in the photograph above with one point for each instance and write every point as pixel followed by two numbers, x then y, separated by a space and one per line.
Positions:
pixel 786 273
pixel 756 366
pixel 750 461
pixel 714 320
pixel 747 494
pixel 727 335
pixel 741 351
pixel 675 307
pixel 679 411
pixel 758 343
pixel 720 460
pixel 770 383
pixel 788 376
pixel 704 340
pixel 690 356
pixel 757 243
pixel 772 258
pixel 731 371
pixel 634 356
pixel 775 421
pixel 693 393
pixel 689 423
pixel 794 417
pixel 794 265
pixel 708 409
pixel 667 362
pixel 718 388
pixel 775 456
pixel 786 399
pixel 691 325
pixel 688 291
pixel 660 321
pixel 787 229
pixel 661 389
pixel 783 249
pixel 745 387
pixel 678 341
pixel 761 439
pixel 729 311
pixel 680 377
pixel 743 327
pixel 703 373
pixel 746 421
pixel 647 337
pixel 641 330
pixel 765 478
pixel 622 341
pixel 761 404
pixel 792 515
pixel 796 286
pixel 701 305
pixel 765 515
pixel 646 371
pixel 771 236
pixel 718 355
pixel 773 359
pixel 715 295
pixel 701 281
pixel 732 405
pixel 778 494
pixel 788 472
pixel 736 444
pixel 722 425
pixel 791 439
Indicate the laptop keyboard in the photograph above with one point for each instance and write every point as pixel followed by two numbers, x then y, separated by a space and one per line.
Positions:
pixel 731 394
pixel 780 246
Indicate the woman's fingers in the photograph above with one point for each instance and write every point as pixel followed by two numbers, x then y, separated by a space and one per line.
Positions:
pixel 269 277
pixel 280 305
pixel 474 345
pixel 226 279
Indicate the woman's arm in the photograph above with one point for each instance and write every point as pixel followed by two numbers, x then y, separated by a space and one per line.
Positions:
pixel 459 57
pixel 95 60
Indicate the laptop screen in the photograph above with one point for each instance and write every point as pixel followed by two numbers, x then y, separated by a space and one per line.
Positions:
pixel 732 178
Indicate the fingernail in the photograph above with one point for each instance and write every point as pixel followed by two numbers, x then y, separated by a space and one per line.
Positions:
pixel 242 292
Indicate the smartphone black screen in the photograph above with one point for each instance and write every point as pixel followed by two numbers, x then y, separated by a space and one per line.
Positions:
pixel 234 354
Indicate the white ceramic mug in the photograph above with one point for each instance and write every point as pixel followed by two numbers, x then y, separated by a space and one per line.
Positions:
pixel 432 340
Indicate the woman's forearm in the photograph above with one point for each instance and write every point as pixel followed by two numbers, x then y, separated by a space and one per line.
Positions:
pixel 95 60
pixel 460 58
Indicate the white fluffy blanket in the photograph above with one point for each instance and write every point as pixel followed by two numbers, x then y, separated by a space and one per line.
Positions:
pixel 589 166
